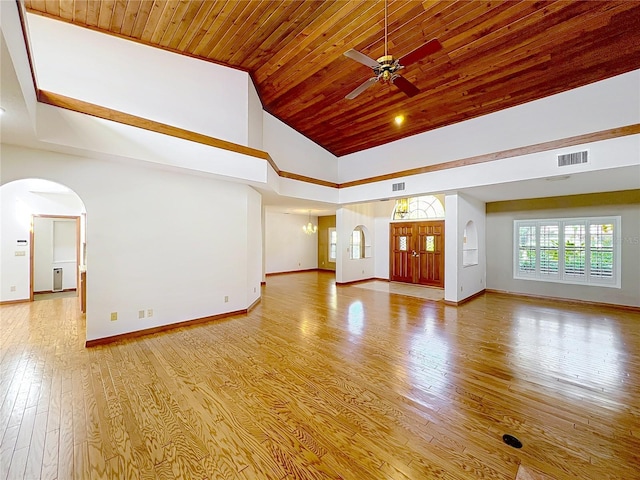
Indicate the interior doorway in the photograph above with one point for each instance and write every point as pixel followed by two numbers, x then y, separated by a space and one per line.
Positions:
pixel 417 253
pixel 55 254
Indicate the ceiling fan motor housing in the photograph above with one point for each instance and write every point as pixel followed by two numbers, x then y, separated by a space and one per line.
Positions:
pixel 388 66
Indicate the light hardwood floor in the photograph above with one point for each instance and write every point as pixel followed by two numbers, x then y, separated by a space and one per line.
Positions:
pixel 320 381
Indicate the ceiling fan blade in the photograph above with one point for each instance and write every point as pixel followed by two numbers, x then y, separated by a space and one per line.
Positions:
pixel 362 58
pixel 362 88
pixel 406 86
pixel 432 46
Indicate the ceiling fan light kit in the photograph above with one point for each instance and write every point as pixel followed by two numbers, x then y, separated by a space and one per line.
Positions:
pixel 386 68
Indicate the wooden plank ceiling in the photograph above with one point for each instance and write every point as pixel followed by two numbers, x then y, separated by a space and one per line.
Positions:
pixel 496 54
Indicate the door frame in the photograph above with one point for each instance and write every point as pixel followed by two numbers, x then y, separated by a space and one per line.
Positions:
pixel 414 237
pixel 32 249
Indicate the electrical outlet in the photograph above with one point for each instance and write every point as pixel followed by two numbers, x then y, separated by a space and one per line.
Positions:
pixel 254 289
pixel 150 312
pixel 226 299
pixel 140 313
pixel 13 288
pixel 114 316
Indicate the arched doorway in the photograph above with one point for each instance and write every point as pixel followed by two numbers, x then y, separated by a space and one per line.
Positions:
pixel 42 237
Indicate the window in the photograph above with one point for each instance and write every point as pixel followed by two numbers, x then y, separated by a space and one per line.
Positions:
pixel 333 244
pixel 569 250
pixel 357 243
pixel 413 208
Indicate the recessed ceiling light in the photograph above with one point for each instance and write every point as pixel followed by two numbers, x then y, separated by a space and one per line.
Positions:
pixel 399 119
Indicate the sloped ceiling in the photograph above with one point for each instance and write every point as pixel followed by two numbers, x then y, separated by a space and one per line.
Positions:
pixel 495 55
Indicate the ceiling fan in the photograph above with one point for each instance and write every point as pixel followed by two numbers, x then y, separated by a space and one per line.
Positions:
pixel 386 67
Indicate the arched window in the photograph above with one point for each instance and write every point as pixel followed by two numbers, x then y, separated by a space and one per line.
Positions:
pixel 413 208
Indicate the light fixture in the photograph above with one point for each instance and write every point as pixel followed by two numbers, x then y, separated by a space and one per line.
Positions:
pixel 310 228
pixel 399 119
pixel 402 207
pixel 2 110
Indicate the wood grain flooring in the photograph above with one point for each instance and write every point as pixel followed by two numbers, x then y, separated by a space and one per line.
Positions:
pixel 320 381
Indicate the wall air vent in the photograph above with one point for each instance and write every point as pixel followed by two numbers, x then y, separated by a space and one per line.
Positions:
pixel 397 187
pixel 575 158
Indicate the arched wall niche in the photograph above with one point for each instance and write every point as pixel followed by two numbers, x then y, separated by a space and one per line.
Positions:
pixel 360 243
pixel 470 245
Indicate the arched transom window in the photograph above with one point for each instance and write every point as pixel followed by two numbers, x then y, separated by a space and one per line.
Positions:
pixel 413 208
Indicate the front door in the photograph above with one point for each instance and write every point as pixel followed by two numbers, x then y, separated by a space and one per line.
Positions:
pixel 417 253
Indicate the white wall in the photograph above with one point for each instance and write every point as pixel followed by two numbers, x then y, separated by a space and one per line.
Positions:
pixel 255 117
pixel 287 247
pixel 254 250
pixel 605 156
pixel 174 243
pixel 461 281
pixel 500 218
pixel 20 200
pixel 293 152
pixel 347 219
pixel 151 83
pixel 471 278
pixel 383 210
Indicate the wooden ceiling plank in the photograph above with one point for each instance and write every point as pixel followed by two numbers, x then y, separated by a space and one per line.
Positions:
pixel 129 17
pixel 259 30
pixel 454 22
pixel 66 9
pixel 214 27
pixel 183 25
pixel 500 82
pixel 536 22
pixel 155 16
pixel 280 85
pixel 93 13
pixel 142 17
pixel 260 35
pixel 164 21
pixel 230 32
pixel 198 28
pixel 317 56
pixel 117 19
pixel 106 12
pixel 271 43
pixel 52 8
pixel 239 51
pixel 497 25
pixel 35 5
pixel 79 12
pixel 316 29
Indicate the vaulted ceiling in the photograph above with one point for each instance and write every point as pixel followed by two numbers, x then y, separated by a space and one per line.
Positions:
pixel 495 55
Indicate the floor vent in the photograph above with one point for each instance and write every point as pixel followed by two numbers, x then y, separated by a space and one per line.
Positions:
pixel 575 158
pixel 397 187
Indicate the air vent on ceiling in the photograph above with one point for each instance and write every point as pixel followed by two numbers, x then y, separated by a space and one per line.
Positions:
pixel 574 158
pixel 396 187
